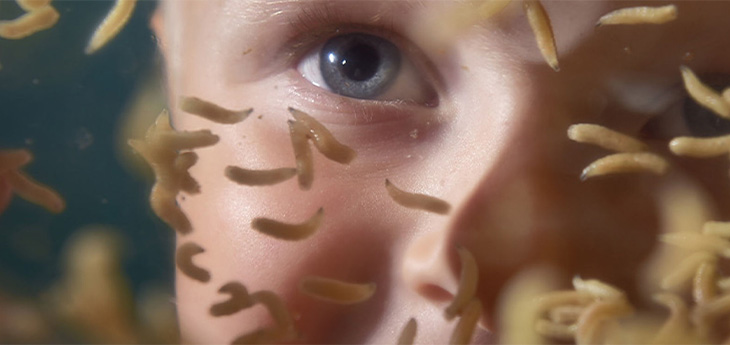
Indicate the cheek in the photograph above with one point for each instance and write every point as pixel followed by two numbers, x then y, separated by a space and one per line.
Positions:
pixel 357 241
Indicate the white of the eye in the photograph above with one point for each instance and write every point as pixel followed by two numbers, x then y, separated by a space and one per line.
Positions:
pixel 408 85
pixel 309 68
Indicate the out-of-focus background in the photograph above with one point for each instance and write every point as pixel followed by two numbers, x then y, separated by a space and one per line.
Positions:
pixel 102 270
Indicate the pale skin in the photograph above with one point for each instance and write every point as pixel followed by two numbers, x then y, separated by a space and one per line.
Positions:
pixel 495 148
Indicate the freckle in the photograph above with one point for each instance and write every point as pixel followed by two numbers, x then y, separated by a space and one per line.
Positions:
pixel 260 117
pixel 464 67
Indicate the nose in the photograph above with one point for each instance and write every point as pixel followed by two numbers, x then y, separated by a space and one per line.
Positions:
pixel 427 268
pixel 489 184
pixel 504 200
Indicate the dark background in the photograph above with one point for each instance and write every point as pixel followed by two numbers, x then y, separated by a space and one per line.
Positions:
pixel 65 107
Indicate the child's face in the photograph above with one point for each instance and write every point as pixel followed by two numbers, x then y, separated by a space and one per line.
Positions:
pixel 481 124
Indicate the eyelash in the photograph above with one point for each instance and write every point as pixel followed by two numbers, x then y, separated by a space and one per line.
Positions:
pixel 315 22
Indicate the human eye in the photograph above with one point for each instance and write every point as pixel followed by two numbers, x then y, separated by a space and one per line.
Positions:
pixel 368 66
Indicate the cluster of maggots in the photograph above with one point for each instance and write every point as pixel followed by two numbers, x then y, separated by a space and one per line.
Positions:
pixel 581 314
pixel 169 154
pixel 597 313
pixel 634 155
pixel 588 314
pixel 710 289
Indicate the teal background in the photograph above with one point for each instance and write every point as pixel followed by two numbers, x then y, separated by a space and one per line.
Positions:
pixel 65 107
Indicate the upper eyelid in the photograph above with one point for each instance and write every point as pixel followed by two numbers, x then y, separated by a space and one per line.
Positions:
pixel 321 14
pixel 314 21
pixel 310 37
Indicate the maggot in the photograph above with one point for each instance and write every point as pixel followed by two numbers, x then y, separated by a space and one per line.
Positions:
pixel 184 261
pixel 286 231
pixel 336 291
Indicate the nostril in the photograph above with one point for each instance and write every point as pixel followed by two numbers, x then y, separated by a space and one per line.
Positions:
pixel 435 293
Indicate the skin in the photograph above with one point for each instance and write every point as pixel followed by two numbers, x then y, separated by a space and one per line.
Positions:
pixel 495 148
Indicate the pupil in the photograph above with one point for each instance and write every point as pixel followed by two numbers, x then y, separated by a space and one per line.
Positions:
pixel 359 65
pixel 360 62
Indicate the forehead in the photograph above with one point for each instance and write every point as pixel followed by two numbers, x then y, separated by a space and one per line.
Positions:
pixel 263 10
pixel 238 25
pixel 699 17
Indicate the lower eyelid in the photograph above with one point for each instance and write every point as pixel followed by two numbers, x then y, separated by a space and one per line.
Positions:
pixel 339 110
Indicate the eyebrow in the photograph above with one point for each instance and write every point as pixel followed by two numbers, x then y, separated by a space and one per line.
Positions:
pixel 273 11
